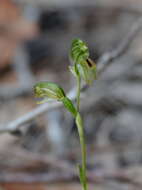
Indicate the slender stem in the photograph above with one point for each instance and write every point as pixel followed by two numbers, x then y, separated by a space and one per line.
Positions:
pixel 78 92
pixel 80 127
pixel 83 177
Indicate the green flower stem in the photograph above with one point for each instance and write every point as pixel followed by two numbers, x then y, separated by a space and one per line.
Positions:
pixel 78 92
pixel 79 123
pixel 82 170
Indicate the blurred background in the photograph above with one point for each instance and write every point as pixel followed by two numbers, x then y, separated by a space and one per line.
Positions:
pixel 35 37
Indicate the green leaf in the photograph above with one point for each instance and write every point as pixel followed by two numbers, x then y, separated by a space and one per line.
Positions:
pixel 69 106
pixel 79 51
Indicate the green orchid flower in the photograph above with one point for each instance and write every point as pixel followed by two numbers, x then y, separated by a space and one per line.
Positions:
pixel 50 90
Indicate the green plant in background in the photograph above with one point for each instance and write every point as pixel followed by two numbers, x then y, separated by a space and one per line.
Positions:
pixel 83 68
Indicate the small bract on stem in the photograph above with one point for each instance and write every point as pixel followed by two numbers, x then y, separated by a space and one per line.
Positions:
pixel 83 68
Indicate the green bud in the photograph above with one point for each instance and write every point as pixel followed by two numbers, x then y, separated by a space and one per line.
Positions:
pixel 48 90
pixel 79 51
pixel 83 66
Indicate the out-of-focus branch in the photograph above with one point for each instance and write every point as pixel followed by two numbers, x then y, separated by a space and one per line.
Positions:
pixel 15 124
pixel 104 61
pixel 108 57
